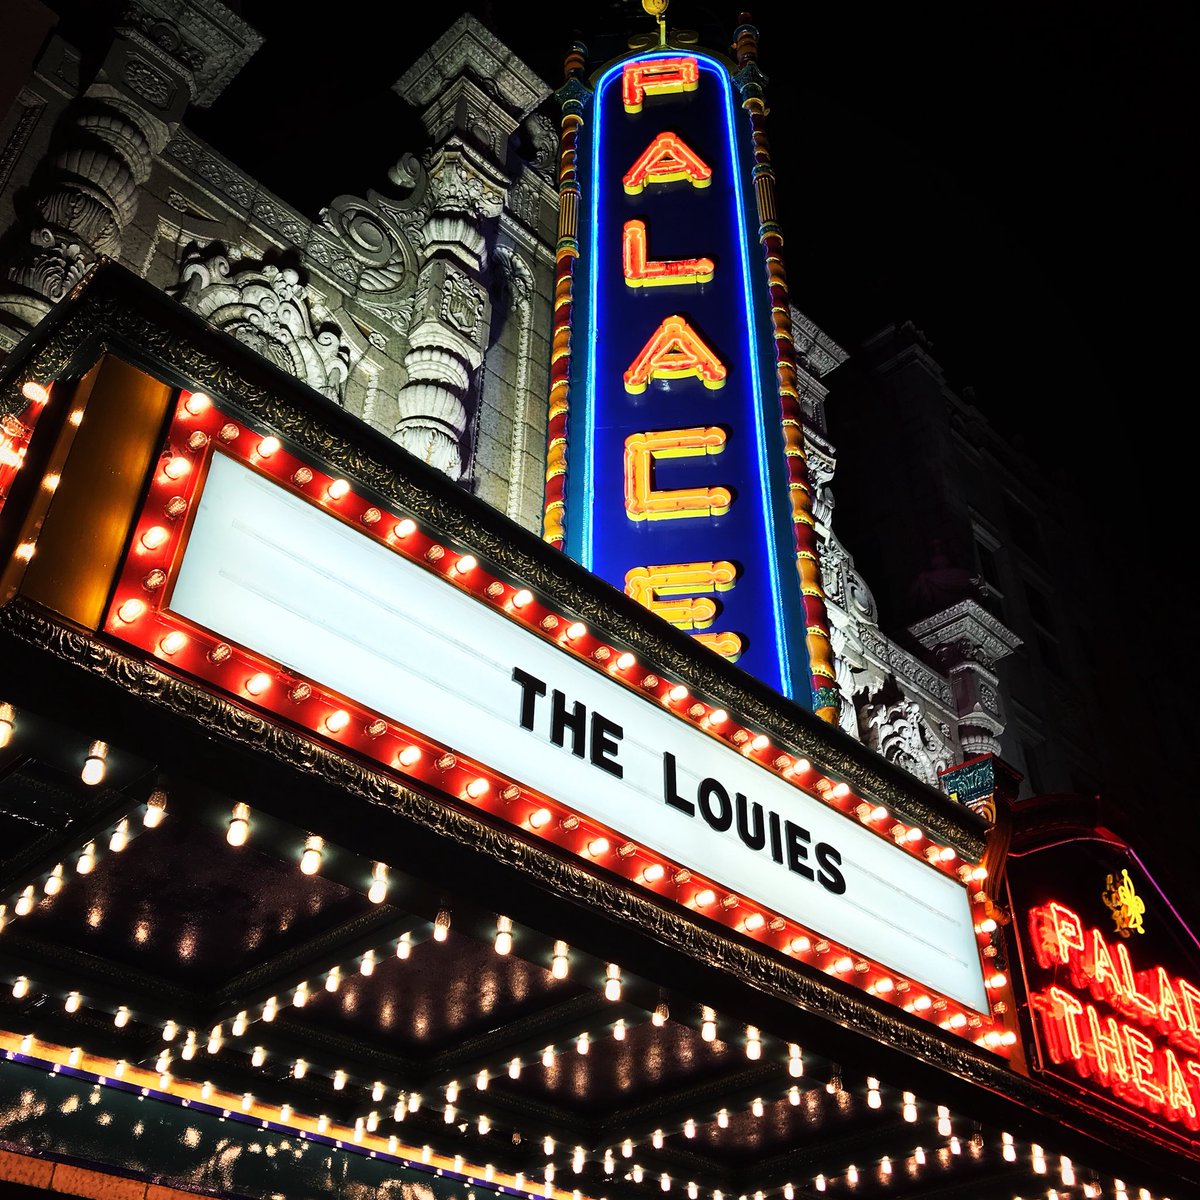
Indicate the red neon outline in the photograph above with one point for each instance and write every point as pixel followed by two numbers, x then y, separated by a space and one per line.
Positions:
pixel 674 351
pixel 657 77
pixel 667 159
pixel 640 271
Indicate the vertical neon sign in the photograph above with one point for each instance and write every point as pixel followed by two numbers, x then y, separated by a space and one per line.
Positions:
pixel 676 490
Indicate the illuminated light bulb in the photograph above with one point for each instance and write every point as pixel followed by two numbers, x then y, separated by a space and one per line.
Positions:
pixel 661 1014
pixel 514 1068
pixel 943 1120
pixel 795 1061
pixel 120 1017
pixel 677 693
pixel 559 963
pixel 258 683
pixel 789 1192
pixel 998 980
pixel 708 1025
pixel 612 982
pixel 637 1173
pixel 852 1175
pixel 577 1159
pixel 521 598
pixel 539 818
pixel 267 447
pixel 339 1080
pixel 20 988
pixel 366 966
pixel 793 1095
pixel 270 1009
pixel 239 825
pixel 247 1101
pixel 1066 1170
pixel 322 1123
pixel 337 720
pixel 946 854
pixel 310 860
pixel 404 946
pixel 164 1061
pixel 653 873
pixel 405 528
pixel 377 1091
pixel 484 1124
pixel 757 1107
pixel 504 937
pixel 689 1128
pixel 754 922
pixel 477 788
pixel 885 1165
pixel 955 1146
pixel 25 552
pixel 597 846
pixel 215 1040
pixel 874 1100
pixel 87 859
pixel 619 1030
pixel 300 995
pixel 54 881
pixel 441 925
pixel 189 1046
pixel 337 489
pixel 176 468
pixel 548 1057
pixel 576 630
pixel 377 892
pixel 922 1003
pixel 753 1043
pixel 259 1056
pixel 761 742
pixel 919 1156
pixel 34 392
pixel 843 964
pixel 656 1139
pixel 333 980
pixel 482 1080
pixel 196 403
pixel 95 763
pixel 704 898
pixel 910 1107
pixel 120 836
pixel 6 724
pixel 299 1069
pixel 408 756
pixel 582 1043
pixel 156 809
pixel 987 925
pixel 155 537
pixel 548 1145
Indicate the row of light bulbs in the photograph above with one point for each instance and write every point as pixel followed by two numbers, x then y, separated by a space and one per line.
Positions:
pixel 118 838
pixel 1091 1189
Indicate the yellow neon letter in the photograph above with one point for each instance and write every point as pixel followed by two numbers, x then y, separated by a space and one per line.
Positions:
pixel 643 272
pixel 667 159
pixel 647 584
pixel 644 502
pixel 658 77
pixel 674 351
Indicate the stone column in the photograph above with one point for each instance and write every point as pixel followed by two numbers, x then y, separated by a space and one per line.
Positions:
pixel 968 642
pixel 473 93
pixel 163 56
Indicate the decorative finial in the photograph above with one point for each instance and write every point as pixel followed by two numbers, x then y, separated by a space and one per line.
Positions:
pixel 658 10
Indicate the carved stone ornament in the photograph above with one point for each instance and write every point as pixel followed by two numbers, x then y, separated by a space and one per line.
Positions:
pixel 902 735
pixel 149 82
pixel 267 308
pixel 462 304
pixel 210 40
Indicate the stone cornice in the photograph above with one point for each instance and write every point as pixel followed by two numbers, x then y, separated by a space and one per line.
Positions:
pixel 468 47
pixel 970 625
